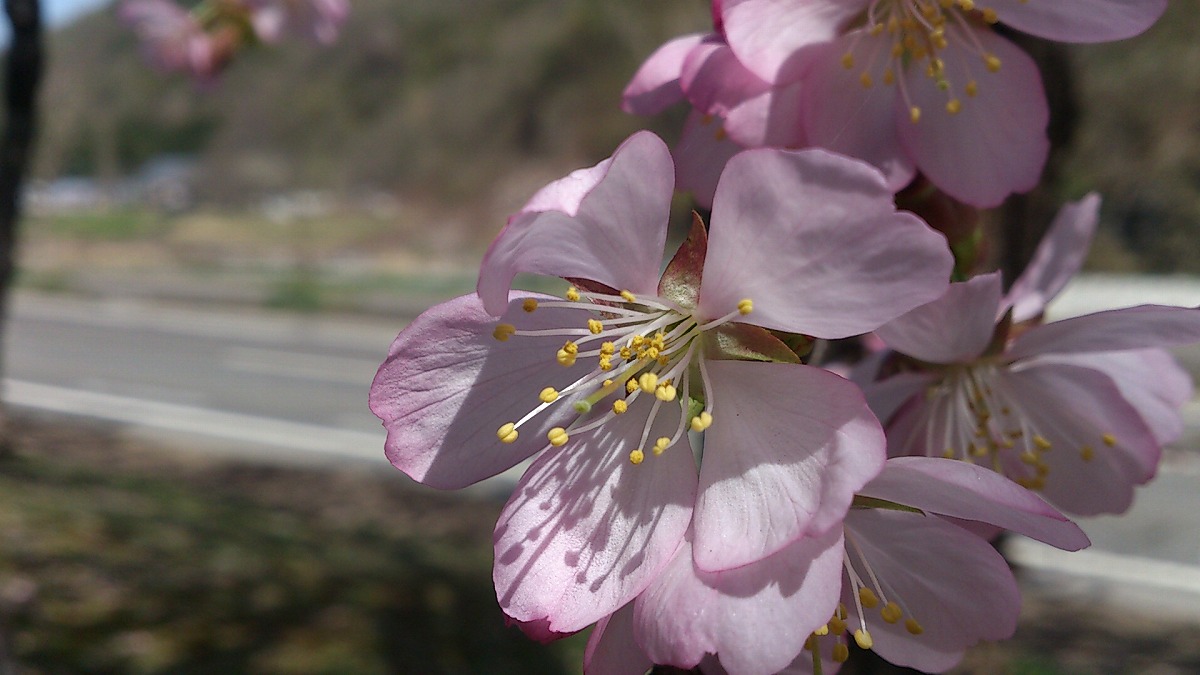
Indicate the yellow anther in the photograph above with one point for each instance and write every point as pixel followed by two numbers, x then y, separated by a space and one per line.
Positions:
pixel 865 80
pixel 503 331
pixel 889 76
pixel 619 406
pixel 810 643
pixel 745 306
pixel 891 612
pixel 570 347
pixel 822 631
pixel 1087 453
pixel 992 62
pixel 631 385
pixel 847 60
pixel 608 348
pixel 529 304
pixel 507 433
pixel 841 611
pixel 605 362
pixel 1041 442
pixel 626 353
pixel 629 297
pixel 557 436
pixel 701 422
pixel 990 15
pixel 914 114
pixel 648 382
pixel 1109 440
pixel 549 395
pixel 1029 458
pixel 949 453
pixel 595 327
pixel 867 597
pixel 841 652
pixel 665 392
pixel 972 90
pixel 661 445
pixel 565 358
pixel 573 294
pixel 837 625
pixel 863 638
pixel 953 106
pixel 913 627
pixel 607 384
pixel 637 456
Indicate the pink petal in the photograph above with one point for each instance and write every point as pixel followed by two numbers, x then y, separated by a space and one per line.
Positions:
pixel 885 397
pixel 842 116
pixel 1080 20
pixel 950 487
pixel 1114 330
pixel 715 82
pixel 611 648
pixel 814 240
pixel 955 328
pixel 754 618
pixel 953 583
pixel 996 144
pixel 701 155
pixel 1150 380
pixel 769 36
pixel 655 86
pixel 788 447
pixel 586 530
pixel 448 385
pixel 771 118
pixel 1057 259
pixel 1074 407
pixel 605 224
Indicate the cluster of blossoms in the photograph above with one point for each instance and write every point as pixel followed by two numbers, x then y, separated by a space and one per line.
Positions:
pixel 201 41
pixel 705 489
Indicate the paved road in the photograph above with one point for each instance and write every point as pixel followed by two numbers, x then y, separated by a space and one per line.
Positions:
pixel 285 381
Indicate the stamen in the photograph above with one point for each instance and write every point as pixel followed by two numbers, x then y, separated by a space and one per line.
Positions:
pixel 548 395
pixel 557 437
pixel 507 433
pixel 637 456
pixel 503 331
pixel 529 304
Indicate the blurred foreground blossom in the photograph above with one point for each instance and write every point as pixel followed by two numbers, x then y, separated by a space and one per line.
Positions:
pixel 901 576
pixel 1078 409
pixel 606 384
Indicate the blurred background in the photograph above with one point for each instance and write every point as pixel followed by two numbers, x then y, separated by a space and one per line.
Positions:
pixel 208 277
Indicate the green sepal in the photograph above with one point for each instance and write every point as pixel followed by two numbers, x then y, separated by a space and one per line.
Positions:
pixel 966 253
pixel 680 282
pixel 743 342
pixel 861 502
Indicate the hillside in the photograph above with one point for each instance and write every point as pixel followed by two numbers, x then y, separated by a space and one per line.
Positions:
pixel 478 102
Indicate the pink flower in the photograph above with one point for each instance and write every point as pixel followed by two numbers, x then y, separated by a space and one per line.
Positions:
pixel 605 384
pixel 734 108
pixel 928 86
pixel 902 577
pixel 172 40
pixel 1079 409
pixel 317 20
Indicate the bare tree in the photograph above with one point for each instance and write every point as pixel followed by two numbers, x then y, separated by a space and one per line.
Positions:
pixel 22 73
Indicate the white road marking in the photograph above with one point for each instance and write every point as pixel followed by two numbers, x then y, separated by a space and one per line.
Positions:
pixel 295 436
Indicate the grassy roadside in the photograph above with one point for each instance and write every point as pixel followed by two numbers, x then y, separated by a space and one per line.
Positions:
pixel 120 557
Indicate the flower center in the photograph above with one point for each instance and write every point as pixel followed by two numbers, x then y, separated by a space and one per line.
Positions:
pixel 974 415
pixel 904 34
pixel 869 591
pixel 642 346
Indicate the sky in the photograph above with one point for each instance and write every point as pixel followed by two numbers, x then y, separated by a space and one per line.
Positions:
pixel 57 13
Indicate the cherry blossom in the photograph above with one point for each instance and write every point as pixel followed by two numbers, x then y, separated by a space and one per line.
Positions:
pixel 604 385
pixel 1078 408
